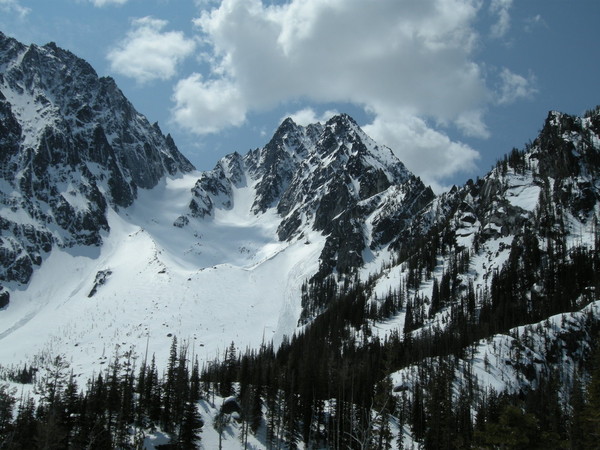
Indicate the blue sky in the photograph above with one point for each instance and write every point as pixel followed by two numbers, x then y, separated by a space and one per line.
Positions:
pixel 449 85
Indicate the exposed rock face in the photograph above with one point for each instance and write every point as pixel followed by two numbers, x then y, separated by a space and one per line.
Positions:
pixel 330 178
pixel 4 298
pixel 553 181
pixel 101 278
pixel 215 188
pixel 71 146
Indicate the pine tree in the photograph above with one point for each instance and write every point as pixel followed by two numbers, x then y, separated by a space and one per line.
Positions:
pixel 50 432
pixel 55 379
pixel 195 383
pixel 25 425
pixel 256 413
pixel 220 422
pixel 153 392
pixel 418 418
pixel 229 372
pixel 515 429
pixel 592 408
pixel 72 409
pixel 383 405
pixel 7 403
pixel 181 386
pixel 168 391
pixel 438 405
pixel 409 324
pixel 191 425
pixel 435 298
pixel 113 398
pixel 577 424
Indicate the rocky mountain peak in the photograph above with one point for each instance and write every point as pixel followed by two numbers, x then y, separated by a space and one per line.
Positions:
pixel 331 178
pixel 72 146
pixel 566 144
pixel 342 122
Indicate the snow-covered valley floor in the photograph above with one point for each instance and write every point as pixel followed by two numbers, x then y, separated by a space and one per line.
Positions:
pixel 221 279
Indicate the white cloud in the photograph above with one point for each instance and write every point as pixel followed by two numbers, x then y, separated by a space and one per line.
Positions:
pixel 376 54
pixel 427 152
pixel 414 56
pixel 101 3
pixel 531 23
pixel 514 87
pixel 306 116
pixel 218 102
pixel 147 53
pixel 471 124
pixel 10 6
pixel 502 25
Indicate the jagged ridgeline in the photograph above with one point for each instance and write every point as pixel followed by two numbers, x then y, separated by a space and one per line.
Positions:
pixel 71 145
pixel 331 178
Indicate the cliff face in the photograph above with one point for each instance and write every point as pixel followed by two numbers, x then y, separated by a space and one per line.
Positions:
pixel 329 177
pixel 71 146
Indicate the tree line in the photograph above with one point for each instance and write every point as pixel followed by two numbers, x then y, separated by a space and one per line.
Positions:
pixel 117 408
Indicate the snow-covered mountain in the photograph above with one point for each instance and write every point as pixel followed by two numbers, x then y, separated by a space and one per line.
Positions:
pixel 507 264
pixel 111 242
pixel 329 178
pixel 507 232
pixel 72 146
pixel 106 226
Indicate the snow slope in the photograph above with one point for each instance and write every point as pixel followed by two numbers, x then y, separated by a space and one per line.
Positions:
pixel 209 283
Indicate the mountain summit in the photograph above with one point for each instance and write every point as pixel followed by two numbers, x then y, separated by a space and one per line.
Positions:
pixel 331 178
pixel 72 146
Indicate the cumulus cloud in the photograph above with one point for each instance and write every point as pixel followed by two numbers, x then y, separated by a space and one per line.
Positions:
pixel 218 102
pixel 13 6
pixel 386 56
pixel 147 53
pixel 374 54
pixel 429 153
pixel 500 8
pixel 514 87
pixel 306 116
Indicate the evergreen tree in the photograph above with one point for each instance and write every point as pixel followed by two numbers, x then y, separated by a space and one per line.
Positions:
pixel 153 392
pixel 577 432
pixel 168 390
pixel 50 432
pixel 592 407
pixel 55 379
pixel 72 409
pixel 438 404
pixel 515 430
pixel 7 403
pixel 418 418
pixel 256 413
pixel 384 403
pixel 230 371
pixel 435 298
pixel 25 426
pixel 191 425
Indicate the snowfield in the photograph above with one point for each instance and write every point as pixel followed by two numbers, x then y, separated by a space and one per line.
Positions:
pixel 219 279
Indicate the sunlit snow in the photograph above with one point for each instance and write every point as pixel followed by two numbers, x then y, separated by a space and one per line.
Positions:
pixel 218 280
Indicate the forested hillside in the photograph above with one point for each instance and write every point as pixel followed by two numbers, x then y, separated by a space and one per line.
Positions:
pixel 483 325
